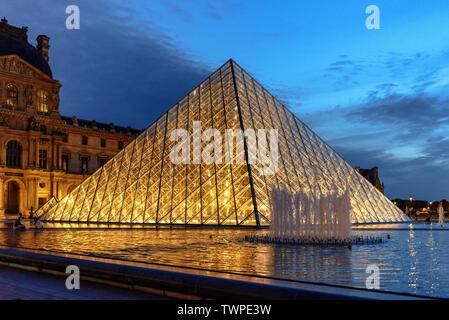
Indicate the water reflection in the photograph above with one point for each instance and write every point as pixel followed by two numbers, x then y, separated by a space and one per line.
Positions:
pixel 412 261
pixel 305 262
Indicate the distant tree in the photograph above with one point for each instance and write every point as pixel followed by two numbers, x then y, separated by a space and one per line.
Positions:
pixel 445 204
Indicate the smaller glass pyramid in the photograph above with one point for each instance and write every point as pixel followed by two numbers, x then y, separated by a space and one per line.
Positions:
pixel 142 184
pixel 42 211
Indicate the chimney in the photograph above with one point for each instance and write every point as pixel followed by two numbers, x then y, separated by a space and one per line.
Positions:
pixel 375 171
pixel 43 46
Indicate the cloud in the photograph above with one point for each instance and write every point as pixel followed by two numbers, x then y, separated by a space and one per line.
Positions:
pixel 417 71
pixel 214 10
pixel 417 114
pixel 289 96
pixel 113 69
pixel 404 135
pixel 344 70
pixel 438 152
pixel 422 177
pixel 397 61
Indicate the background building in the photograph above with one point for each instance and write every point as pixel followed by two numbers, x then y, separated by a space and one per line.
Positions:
pixel 372 175
pixel 42 154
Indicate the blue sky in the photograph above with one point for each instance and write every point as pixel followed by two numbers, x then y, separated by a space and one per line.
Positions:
pixel 379 97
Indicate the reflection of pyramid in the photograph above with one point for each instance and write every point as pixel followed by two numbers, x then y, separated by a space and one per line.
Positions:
pixel 142 185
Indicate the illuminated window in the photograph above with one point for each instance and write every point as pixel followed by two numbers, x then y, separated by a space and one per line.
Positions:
pixel 43 101
pixel 11 95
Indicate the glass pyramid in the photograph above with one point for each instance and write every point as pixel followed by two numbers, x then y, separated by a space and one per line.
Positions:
pixel 141 185
pixel 46 207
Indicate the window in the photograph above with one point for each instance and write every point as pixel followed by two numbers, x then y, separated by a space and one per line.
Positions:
pixel 103 143
pixel 43 158
pixel 13 154
pixel 84 164
pixel 42 201
pixel 65 138
pixel 11 95
pixel 102 161
pixel 65 162
pixel 120 145
pixel 42 102
pixel 84 140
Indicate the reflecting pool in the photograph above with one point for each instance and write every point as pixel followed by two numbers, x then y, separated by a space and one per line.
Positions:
pixel 415 259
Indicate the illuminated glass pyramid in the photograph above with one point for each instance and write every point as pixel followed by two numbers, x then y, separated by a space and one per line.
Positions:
pixel 141 184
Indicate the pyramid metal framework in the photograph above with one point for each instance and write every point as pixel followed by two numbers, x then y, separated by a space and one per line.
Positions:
pixel 141 185
pixel 46 206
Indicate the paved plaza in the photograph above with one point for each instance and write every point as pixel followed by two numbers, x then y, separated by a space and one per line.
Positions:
pixel 28 285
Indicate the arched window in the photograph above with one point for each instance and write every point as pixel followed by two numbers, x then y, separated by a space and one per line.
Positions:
pixel 43 101
pixel 12 95
pixel 13 154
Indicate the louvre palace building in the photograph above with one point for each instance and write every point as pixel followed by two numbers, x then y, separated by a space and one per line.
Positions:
pixel 42 153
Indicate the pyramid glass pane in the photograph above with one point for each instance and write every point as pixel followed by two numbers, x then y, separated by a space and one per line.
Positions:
pixel 142 184
pixel 46 206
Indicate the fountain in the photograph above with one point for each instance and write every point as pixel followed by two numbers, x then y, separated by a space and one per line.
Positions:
pixel 311 218
pixel 440 214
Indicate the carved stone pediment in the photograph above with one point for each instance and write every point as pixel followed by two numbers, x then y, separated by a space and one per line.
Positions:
pixel 15 64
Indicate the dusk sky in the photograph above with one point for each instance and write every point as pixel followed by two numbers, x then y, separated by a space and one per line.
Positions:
pixel 378 97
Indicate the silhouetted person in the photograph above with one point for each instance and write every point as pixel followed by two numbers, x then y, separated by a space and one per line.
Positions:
pixel 38 223
pixel 18 224
pixel 31 213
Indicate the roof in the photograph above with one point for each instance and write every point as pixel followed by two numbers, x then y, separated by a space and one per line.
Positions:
pixel 92 124
pixel 10 45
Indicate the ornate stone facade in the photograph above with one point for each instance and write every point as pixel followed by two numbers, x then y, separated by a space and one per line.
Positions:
pixel 43 154
pixel 372 175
